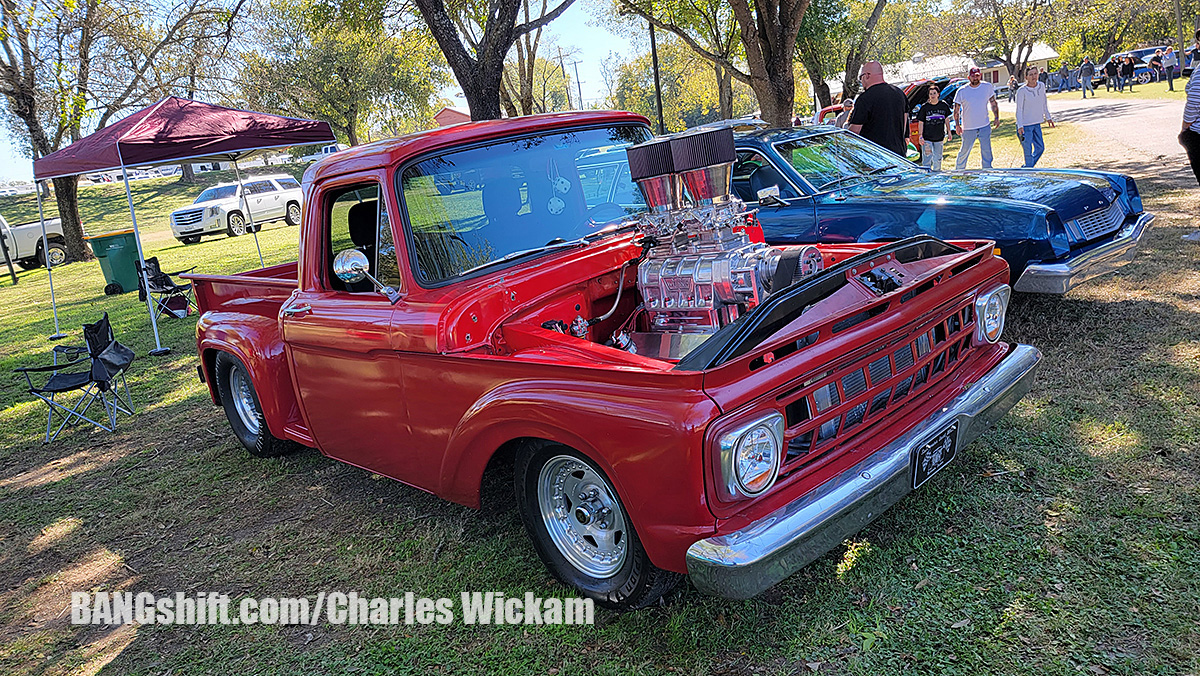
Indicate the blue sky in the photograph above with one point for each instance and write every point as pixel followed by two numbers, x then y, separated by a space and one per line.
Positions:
pixel 571 30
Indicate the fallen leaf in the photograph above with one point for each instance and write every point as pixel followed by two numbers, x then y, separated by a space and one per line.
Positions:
pixel 960 624
pixel 922 583
pixel 1097 669
pixel 813 665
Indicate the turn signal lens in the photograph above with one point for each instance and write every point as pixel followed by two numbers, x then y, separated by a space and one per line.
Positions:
pixel 990 309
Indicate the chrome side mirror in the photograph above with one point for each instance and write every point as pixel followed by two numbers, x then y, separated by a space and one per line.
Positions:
pixel 351 266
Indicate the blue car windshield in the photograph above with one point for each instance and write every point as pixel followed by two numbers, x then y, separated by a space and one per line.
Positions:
pixel 471 208
pixel 217 193
pixel 826 159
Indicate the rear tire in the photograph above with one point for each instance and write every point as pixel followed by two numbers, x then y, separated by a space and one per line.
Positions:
pixel 58 254
pixel 242 408
pixel 293 214
pixel 28 263
pixel 587 543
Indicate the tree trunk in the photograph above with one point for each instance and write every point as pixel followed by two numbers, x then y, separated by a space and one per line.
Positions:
pixel 824 98
pixel 66 194
pixel 510 108
pixel 851 87
pixel 482 89
pixel 188 175
pixel 724 91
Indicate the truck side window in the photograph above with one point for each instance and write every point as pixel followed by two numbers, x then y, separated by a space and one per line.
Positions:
pixel 353 223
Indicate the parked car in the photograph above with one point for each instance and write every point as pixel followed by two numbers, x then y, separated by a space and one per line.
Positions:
pixel 324 152
pixel 671 395
pixel 1056 228
pixel 222 209
pixel 24 243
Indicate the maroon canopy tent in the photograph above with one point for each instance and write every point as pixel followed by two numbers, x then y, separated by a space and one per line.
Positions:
pixel 171 131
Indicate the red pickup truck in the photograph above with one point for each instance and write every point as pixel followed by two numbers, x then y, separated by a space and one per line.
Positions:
pixel 567 295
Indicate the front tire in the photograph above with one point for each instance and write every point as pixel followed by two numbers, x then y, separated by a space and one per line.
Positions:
pixel 242 408
pixel 582 532
pixel 191 239
pixel 235 224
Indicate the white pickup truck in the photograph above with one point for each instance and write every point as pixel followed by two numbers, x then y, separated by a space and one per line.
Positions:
pixel 24 243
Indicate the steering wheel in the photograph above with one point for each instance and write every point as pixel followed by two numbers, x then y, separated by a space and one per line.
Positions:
pixel 596 215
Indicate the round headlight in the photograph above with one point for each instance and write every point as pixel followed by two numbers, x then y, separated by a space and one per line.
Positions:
pixel 757 460
pixel 990 309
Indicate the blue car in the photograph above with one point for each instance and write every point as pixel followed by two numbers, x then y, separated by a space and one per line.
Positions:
pixel 1056 228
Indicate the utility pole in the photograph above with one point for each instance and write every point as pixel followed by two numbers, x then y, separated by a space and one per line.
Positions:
pixel 578 84
pixel 564 73
pixel 657 82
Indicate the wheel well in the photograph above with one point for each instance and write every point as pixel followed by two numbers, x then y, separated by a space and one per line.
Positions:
pixel 496 484
pixel 210 373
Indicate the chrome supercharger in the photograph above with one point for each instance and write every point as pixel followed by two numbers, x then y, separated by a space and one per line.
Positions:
pixel 700 272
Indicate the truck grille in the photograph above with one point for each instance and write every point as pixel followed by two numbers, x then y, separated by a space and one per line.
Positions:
pixel 1096 223
pixel 185 218
pixel 823 414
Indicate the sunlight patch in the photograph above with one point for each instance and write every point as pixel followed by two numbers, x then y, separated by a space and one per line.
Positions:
pixel 63 468
pixel 854 553
pixel 53 533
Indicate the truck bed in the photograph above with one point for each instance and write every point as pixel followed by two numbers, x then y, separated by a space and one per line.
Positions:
pixel 259 292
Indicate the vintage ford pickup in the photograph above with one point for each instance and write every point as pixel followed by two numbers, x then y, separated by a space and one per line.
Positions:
pixel 672 395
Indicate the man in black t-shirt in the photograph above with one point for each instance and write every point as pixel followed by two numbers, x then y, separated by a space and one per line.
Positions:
pixel 931 123
pixel 879 112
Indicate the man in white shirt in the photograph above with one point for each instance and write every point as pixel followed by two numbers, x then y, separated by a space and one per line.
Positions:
pixel 1189 137
pixel 1032 110
pixel 970 115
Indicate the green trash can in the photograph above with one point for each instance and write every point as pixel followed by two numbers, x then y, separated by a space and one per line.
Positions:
pixel 118 256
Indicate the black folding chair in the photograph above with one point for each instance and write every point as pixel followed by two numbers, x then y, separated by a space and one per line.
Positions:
pixel 93 371
pixel 173 299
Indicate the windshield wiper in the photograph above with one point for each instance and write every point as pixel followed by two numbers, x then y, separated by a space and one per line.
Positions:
pixel 885 168
pixel 839 180
pixel 552 245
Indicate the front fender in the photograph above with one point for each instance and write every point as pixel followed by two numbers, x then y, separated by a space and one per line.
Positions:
pixel 649 442
pixel 256 342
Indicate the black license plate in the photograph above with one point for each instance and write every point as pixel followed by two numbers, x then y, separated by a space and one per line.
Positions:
pixel 934 454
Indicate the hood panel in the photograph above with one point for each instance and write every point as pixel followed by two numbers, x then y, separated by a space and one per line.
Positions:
pixel 1070 195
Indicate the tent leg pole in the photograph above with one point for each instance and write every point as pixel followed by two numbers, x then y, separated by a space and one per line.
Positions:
pixel 158 350
pixel 37 189
pixel 249 216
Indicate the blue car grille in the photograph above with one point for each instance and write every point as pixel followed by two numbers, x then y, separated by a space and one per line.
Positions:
pixel 821 417
pixel 187 217
pixel 1096 223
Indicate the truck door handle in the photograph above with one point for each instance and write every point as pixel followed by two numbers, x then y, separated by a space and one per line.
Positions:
pixel 296 310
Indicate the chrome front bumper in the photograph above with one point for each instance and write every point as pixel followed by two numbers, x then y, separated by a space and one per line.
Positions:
pixel 744 563
pixel 1060 278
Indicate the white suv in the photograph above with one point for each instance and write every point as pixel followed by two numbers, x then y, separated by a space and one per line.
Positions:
pixel 218 209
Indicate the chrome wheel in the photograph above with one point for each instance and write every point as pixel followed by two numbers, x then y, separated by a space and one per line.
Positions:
pixel 293 214
pixel 243 399
pixel 57 256
pixel 582 516
pixel 237 225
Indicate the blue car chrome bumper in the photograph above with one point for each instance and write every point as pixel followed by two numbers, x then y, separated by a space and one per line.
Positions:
pixel 1060 278
pixel 742 564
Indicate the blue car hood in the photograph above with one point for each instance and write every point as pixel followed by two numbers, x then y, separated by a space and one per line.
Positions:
pixel 1068 194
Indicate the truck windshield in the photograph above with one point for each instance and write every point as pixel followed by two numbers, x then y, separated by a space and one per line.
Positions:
pixel 219 192
pixel 468 208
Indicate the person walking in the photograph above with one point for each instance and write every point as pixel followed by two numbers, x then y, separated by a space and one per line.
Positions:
pixel 1189 137
pixel 1127 71
pixel 931 129
pixel 1012 88
pixel 1032 110
pixel 1170 62
pixel 1064 78
pixel 879 114
pixel 971 117
pixel 1087 70
pixel 843 117
pixel 1111 73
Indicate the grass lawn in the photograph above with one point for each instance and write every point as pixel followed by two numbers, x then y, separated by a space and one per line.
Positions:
pixel 1066 541
pixel 1154 90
